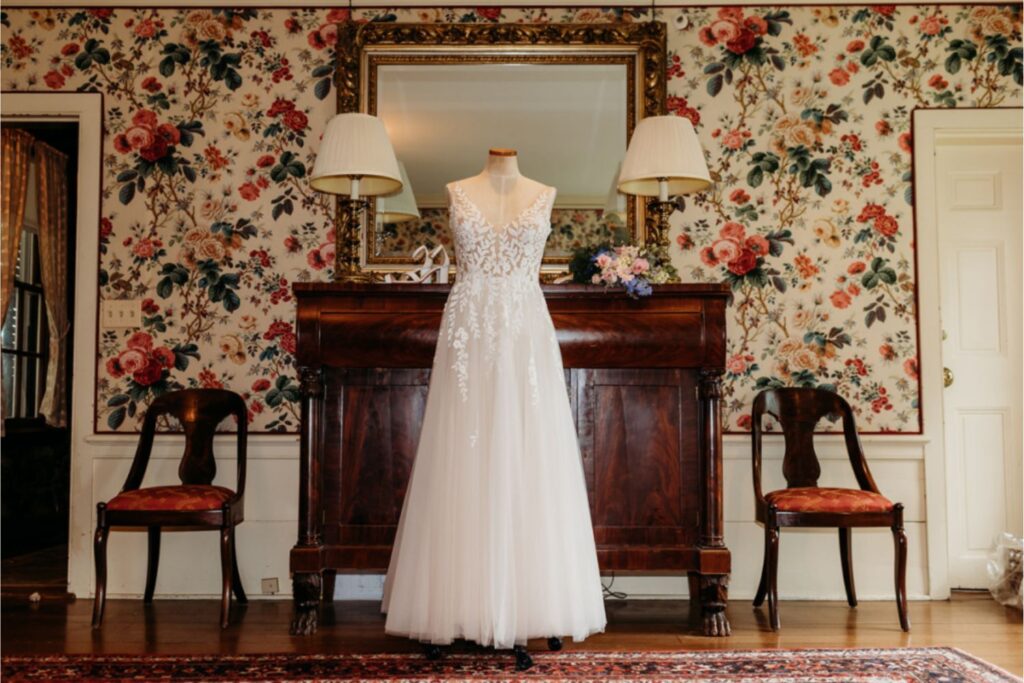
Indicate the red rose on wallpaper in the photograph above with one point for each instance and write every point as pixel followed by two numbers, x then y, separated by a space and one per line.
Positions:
pixel 739 196
pixel 742 264
pixel 249 191
pixel 840 299
pixel 155 150
pixel 741 43
pixel 839 77
pixel 54 79
pixel 261 385
pixel 265 161
pixel 757 244
pixel 70 49
pixel 489 13
pixel 151 84
pixel 295 120
pixel 886 225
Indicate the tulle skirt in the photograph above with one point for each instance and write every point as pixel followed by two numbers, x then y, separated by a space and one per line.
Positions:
pixel 494 543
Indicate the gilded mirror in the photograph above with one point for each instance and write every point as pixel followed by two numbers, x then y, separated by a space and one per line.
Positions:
pixel 565 96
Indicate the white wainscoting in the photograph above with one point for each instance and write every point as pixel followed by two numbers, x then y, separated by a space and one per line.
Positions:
pixel 809 559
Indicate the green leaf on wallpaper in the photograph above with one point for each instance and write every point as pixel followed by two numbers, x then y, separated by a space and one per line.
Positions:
pixel 127 193
pixel 117 400
pixel 182 353
pixel 116 418
pixel 322 88
pixel 126 175
pixel 715 85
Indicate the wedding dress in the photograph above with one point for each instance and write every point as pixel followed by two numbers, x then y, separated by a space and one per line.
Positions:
pixel 494 543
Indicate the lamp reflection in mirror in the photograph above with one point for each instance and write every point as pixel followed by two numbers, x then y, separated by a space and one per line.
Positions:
pixel 355 160
pixel 664 159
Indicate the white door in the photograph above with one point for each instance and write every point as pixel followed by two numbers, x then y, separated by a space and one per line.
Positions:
pixel 978 190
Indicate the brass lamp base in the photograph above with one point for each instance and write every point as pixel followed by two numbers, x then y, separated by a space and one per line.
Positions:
pixel 656 240
pixel 348 228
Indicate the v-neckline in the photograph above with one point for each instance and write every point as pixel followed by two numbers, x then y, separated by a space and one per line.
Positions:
pixel 480 214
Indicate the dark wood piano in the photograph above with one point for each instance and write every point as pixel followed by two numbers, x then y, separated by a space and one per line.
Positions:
pixel 644 381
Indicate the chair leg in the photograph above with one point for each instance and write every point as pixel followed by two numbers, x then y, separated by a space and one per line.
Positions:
pixel 99 550
pixel 152 563
pixel 900 540
pixel 771 538
pixel 845 541
pixel 762 586
pixel 226 542
pixel 236 578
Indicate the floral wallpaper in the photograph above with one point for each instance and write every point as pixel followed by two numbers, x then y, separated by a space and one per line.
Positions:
pixel 212 117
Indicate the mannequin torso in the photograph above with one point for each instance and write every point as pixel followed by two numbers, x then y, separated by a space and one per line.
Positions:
pixel 500 192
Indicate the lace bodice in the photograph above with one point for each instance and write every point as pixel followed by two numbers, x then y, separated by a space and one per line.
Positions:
pixel 497 284
pixel 513 249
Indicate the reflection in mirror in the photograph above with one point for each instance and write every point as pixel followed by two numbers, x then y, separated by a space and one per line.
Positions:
pixel 568 122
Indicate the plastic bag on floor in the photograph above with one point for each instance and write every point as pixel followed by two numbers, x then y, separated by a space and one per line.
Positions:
pixel 1005 569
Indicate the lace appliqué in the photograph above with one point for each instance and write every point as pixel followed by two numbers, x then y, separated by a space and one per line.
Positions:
pixel 498 268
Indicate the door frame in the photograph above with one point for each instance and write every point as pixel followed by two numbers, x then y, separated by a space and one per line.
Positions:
pixel 87 110
pixel 928 127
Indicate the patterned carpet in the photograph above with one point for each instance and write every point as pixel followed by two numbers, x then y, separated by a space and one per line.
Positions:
pixel 754 666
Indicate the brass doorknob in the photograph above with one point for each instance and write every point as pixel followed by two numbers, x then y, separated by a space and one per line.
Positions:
pixel 947 377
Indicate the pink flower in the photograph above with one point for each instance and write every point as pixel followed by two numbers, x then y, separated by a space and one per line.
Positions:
pixel 838 77
pixel 756 25
pixel 146 248
pixel 734 139
pixel 249 191
pixel 733 231
pixel 932 26
pixel 724 31
pixel 603 260
pixel 707 255
pixel 737 364
pixel 139 137
pixel 886 225
pixel 141 341
pixel 840 299
pixel 855 46
pixel 640 266
pixel 856 267
pixel 910 367
pixel 725 250
pixel 145 117
pixel 132 360
pixel 742 43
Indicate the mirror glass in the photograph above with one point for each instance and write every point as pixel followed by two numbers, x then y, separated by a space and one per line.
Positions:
pixel 567 121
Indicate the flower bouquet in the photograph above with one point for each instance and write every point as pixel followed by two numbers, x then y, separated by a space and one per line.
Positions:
pixel 633 268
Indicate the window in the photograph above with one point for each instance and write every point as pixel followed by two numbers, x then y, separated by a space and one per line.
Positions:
pixel 24 336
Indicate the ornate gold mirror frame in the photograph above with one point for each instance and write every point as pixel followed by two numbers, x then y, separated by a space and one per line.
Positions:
pixel 364 47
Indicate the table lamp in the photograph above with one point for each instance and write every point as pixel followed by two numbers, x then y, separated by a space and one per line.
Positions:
pixel 355 161
pixel 664 158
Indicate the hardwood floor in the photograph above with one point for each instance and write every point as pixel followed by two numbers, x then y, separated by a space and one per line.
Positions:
pixel 970 622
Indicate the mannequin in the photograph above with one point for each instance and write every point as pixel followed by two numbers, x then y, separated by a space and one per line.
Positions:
pixel 500 192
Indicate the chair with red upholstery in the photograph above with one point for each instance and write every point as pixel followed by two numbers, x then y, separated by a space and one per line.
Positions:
pixel 804 504
pixel 194 504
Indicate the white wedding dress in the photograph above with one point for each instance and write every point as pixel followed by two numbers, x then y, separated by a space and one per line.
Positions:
pixel 494 543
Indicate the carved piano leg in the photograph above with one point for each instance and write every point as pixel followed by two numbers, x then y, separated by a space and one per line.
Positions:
pixel 713 598
pixel 306 587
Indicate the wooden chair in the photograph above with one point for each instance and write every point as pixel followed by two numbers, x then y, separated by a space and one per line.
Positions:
pixel 195 503
pixel 804 503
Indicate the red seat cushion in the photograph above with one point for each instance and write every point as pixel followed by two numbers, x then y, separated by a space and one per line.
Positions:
pixel 813 499
pixel 181 497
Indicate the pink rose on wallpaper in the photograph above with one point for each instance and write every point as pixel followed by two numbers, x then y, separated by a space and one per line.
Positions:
pixel 140 340
pixel 735 139
pixel 337 15
pixel 756 25
pixel 733 231
pixel 54 79
pixel 840 299
pixel 741 43
pixel 886 225
pixel 249 191
pixel 838 77
pixel 724 31
pixel 147 28
pixel 933 25
pixel 883 128
pixel 910 367
pixel 147 248
pixel 738 363
pixel 906 143
pixel 725 250
pixel 131 360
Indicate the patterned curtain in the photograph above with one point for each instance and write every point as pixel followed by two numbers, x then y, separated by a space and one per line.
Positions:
pixel 53 268
pixel 17 152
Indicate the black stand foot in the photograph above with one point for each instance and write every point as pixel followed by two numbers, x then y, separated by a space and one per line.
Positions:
pixel 523 659
pixel 432 652
pixel 554 644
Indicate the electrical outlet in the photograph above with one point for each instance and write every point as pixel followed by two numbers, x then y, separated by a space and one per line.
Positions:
pixel 269 586
pixel 122 313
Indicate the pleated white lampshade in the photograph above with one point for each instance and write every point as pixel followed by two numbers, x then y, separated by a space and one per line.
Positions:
pixel 356 146
pixel 395 208
pixel 664 148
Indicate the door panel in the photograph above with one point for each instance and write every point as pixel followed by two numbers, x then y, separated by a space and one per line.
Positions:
pixel 978 186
